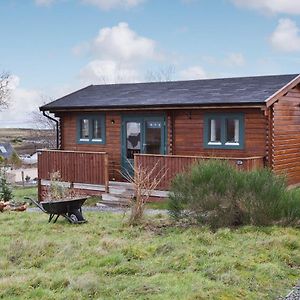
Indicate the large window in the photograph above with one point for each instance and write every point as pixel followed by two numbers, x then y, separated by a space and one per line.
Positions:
pixel 225 131
pixel 91 129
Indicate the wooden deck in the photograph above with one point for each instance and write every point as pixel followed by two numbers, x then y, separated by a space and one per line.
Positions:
pixel 89 171
pixel 170 165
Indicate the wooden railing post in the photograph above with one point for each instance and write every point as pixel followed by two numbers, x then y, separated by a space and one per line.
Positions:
pixel 106 173
pixel 39 190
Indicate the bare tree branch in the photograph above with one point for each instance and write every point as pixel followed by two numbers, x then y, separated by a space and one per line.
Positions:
pixel 161 75
pixel 44 124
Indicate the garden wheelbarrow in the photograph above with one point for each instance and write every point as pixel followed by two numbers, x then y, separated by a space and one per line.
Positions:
pixel 69 209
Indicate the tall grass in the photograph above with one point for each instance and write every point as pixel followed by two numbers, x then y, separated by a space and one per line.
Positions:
pixel 216 193
pixel 107 259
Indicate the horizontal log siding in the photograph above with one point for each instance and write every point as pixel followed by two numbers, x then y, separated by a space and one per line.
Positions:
pixel 112 145
pixel 286 136
pixel 185 135
pixel 74 167
pixel 188 138
pixel 171 165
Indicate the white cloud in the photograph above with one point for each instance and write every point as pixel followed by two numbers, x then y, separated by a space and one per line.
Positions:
pixel 271 6
pixel 235 60
pixel 110 4
pixel 117 54
pixel 44 2
pixel 108 71
pixel 286 36
pixel 119 43
pixel 22 103
pixel 194 72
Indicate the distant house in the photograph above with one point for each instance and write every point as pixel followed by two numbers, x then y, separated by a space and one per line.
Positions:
pixel 251 121
pixel 6 150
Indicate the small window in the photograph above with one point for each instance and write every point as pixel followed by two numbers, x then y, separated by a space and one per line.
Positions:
pixel 225 131
pixel 91 129
pixel 215 131
pixel 232 131
pixel 84 130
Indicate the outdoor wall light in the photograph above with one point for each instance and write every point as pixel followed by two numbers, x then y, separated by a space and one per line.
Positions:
pixel 112 122
pixel 189 115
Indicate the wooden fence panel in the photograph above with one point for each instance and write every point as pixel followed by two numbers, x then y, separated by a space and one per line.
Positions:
pixel 170 165
pixel 74 166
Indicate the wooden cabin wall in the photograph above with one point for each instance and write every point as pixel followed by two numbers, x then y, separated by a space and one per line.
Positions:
pixel 184 135
pixel 112 145
pixel 286 136
pixel 188 134
pixel 68 129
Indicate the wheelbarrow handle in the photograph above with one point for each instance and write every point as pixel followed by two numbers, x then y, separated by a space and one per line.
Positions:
pixel 36 203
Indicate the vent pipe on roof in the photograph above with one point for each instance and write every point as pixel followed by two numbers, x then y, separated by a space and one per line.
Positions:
pixel 57 128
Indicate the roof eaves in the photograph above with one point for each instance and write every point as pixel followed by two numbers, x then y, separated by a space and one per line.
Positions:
pixel 273 98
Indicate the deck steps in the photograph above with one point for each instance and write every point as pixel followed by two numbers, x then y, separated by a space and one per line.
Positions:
pixel 119 194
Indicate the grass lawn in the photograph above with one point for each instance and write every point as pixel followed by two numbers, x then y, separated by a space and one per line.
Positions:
pixel 20 192
pixel 106 259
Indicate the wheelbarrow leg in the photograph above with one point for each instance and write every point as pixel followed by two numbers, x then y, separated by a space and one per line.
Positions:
pixel 50 218
pixel 56 219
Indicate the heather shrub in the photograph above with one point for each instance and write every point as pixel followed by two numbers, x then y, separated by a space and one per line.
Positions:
pixel 217 194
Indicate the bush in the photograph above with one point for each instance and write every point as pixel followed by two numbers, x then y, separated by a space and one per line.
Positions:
pixel 215 193
pixel 5 188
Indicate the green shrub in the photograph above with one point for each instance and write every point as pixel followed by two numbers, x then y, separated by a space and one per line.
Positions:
pixel 5 187
pixel 215 193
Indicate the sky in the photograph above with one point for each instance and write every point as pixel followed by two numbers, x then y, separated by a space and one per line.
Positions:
pixel 54 47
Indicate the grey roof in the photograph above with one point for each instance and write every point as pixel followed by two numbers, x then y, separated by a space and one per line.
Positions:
pixel 6 150
pixel 242 90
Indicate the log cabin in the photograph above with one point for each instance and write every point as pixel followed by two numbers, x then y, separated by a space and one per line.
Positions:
pixel 104 129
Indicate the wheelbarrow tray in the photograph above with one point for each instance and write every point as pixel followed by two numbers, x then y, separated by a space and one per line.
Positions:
pixel 63 206
pixel 70 209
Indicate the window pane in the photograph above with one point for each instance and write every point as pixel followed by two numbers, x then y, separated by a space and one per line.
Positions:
pixel 133 139
pixel 84 129
pixel 97 130
pixel 232 135
pixel 215 131
pixel 153 137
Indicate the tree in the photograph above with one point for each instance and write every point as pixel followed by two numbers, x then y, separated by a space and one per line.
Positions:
pixel 161 75
pixel 4 89
pixel 46 128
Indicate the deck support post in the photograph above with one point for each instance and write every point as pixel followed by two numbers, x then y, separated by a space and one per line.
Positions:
pixel 106 173
pixel 39 190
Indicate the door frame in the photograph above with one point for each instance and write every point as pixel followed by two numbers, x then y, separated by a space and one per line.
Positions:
pixel 142 118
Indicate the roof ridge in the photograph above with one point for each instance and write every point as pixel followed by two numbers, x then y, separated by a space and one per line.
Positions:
pixel 194 80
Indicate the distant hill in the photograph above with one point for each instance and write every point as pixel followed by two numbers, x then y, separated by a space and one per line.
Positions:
pixel 27 141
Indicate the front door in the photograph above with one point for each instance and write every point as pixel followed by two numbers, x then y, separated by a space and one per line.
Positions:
pixel 141 134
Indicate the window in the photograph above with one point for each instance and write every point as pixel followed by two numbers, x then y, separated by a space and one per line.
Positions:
pixel 91 129
pixel 225 131
pixel 2 149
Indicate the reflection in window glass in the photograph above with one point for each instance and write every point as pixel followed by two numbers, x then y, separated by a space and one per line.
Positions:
pixel 215 131
pixel 96 130
pixel 133 139
pixel 153 137
pixel 84 129
pixel 232 134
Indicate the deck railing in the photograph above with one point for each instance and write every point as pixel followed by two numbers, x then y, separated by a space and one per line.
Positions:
pixel 74 166
pixel 170 165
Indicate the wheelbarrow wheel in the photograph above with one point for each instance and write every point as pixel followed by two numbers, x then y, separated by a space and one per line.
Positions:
pixel 73 218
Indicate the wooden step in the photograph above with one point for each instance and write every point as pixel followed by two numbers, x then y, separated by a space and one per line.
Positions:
pixel 121 191
pixel 114 198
